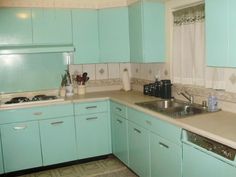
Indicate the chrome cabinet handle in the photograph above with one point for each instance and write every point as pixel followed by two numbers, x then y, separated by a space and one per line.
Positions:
pixel 163 145
pixel 56 123
pixel 137 130
pixel 118 109
pixel 148 122
pixel 91 107
pixel 37 113
pixel 20 127
pixel 120 121
pixel 91 118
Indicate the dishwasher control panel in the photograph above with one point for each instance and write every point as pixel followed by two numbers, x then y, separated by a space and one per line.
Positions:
pixel 211 145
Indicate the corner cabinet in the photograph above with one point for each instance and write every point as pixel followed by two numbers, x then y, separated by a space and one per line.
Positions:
pixel 147 31
pixel 114 35
pixel 119 127
pixel 220 33
pixel 93 129
pixel 85 35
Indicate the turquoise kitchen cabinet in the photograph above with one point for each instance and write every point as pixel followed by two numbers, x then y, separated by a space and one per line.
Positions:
pixel 1 160
pixel 93 129
pixel 58 140
pixel 21 146
pixel 114 35
pixel 217 32
pixel 51 26
pixel 93 135
pixel 139 154
pixel 147 32
pixel 16 26
pixel 220 33
pixel 85 35
pixel 166 157
pixel 119 132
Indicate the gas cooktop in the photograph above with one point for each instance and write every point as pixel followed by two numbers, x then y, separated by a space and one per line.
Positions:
pixel 29 100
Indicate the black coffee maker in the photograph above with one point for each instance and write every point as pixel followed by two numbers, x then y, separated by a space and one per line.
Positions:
pixel 166 89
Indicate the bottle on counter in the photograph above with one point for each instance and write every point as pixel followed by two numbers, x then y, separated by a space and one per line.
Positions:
pixel 212 103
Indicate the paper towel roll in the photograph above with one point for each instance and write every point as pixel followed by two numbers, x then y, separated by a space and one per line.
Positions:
pixel 126 80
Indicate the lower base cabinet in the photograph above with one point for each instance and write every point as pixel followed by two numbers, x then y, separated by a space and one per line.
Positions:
pixel 166 157
pixel 93 135
pixel 21 146
pixel 139 154
pixel 120 138
pixel 58 140
pixel 1 162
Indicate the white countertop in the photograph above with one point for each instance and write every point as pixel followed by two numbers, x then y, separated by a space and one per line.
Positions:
pixel 219 126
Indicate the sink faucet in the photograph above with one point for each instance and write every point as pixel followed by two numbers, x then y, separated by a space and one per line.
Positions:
pixel 188 96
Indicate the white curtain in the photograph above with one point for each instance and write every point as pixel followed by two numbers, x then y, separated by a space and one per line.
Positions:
pixel 188 60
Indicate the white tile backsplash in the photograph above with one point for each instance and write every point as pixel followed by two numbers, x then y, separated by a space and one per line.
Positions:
pixel 75 69
pixel 90 69
pixel 113 70
pixel 101 71
pixel 136 70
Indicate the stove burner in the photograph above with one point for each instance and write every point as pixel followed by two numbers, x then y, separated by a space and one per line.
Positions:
pixel 35 98
pixel 18 100
pixel 43 97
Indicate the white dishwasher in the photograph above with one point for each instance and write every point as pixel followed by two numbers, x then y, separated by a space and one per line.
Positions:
pixel 203 157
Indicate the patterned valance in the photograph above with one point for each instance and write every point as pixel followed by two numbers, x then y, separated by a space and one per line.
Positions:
pixel 189 15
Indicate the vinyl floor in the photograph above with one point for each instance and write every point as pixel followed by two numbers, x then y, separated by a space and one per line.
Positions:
pixel 109 167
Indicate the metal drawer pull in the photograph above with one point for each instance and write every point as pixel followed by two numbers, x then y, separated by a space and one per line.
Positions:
pixel 58 122
pixel 163 145
pixel 91 107
pixel 91 118
pixel 148 122
pixel 119 121
pixel 119 109
pixel 137 130
pixel 20 127
pixel 38 113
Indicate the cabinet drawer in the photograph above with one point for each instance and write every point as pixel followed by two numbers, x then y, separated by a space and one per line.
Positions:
pixel 162 128
pixel 35 113
pixel 91 107
pixel 139 118
pixel 119 109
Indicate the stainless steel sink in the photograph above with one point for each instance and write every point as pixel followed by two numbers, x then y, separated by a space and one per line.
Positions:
pixel 174 108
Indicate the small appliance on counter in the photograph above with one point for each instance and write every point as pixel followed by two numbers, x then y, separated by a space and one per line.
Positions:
pixel 161 89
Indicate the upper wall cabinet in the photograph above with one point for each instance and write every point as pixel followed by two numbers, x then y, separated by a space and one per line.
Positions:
pixel 114 35
pixel 52 26
pixel 16 26
pixel 220 33
pixel 85 35
pixel 147 31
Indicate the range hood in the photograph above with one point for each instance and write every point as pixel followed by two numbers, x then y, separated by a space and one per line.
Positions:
pixel 4 50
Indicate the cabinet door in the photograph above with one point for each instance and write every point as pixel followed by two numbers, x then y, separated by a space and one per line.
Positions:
pixel 217 32
pixel 93 135
pixel 85 35
pixel 139 156
pixel 58 140
pixel 135 32
pixel 166 158
pixel 120 138
pixel 232 35
pixel 1 161
pixel 114 35
pixel 21 146
pixel 51 26
pixel 153 32
pixel 16 27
